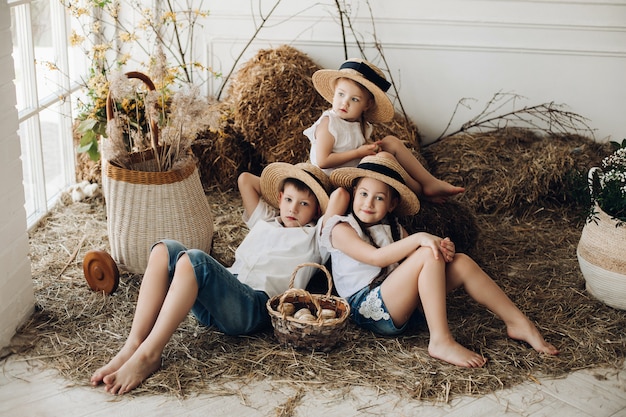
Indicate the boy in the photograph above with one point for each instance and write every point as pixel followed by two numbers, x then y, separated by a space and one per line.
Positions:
pixel 178 280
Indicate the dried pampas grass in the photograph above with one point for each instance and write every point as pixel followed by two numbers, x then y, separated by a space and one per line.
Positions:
pixel 142 118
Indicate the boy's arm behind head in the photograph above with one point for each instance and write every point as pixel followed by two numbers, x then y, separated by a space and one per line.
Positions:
pixel 250 191
pixel 337 205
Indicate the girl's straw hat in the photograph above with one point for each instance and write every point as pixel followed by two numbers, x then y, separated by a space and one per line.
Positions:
pixel 275 173
pixel 385 169
pixel 366 74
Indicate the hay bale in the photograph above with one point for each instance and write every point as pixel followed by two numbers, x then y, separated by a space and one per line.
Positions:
pixel 404 129
pixel 401 127
pixel 273 101
pixel 451 219
pixel 221 151
pixel 86 169
pixel 508 170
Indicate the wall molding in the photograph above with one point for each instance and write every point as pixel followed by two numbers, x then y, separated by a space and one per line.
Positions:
pixel 452 47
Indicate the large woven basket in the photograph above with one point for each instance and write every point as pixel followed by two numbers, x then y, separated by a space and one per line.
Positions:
pixel 321 334
pixel 601 255
pixel 143 206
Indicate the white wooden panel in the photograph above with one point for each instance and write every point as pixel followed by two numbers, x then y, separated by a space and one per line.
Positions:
pixel 16 288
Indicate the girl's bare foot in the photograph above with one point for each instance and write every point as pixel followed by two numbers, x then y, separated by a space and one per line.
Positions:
pixel 113 365
pixel 452 352
pixel 527 332
pixel 439 191
pixel 132 373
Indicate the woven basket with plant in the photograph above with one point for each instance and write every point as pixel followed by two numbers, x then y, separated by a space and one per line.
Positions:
pixel 150 179
pixel 608 185
pixel 602 243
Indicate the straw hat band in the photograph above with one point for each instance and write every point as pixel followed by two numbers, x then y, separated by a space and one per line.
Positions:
pixel 381 169
pixel 317 180
pixel 385 169
pixel 368 73
pixel 368 76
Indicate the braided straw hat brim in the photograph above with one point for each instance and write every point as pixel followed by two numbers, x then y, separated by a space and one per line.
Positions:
pixel 344 177
pixel 324 82
pixel 275 173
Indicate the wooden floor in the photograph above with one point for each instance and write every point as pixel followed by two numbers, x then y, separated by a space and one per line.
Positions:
pixel 27 389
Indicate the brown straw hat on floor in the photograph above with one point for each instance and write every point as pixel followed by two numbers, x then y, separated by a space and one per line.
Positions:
pixel 275 173
pixel 385 169
pixel 366 74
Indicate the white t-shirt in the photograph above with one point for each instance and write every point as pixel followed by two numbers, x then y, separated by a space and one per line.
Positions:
pixel 270 252
pixel 348 135
pixel 350 275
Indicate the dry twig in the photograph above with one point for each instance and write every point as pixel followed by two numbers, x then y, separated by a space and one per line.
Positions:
pixel 547 117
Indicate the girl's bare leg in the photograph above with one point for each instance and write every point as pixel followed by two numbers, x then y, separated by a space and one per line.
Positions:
pixel 464 271
pixel 421 277
pixel 422 182
pixel 146 359
pixel 152 292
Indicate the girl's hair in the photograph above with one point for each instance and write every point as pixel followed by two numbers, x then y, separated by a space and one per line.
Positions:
pixel 390 219
pixel 363 121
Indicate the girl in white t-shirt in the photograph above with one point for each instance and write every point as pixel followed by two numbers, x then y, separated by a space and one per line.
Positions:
pixel 281 209
pixel 389 277
pixel 341 136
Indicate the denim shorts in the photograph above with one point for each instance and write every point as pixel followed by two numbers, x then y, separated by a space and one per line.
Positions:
pixel 368 311
pixel 223 301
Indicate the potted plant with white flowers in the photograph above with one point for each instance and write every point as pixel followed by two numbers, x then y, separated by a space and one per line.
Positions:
pixel 602 247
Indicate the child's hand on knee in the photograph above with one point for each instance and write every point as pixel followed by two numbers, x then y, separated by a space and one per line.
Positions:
pixel 447 249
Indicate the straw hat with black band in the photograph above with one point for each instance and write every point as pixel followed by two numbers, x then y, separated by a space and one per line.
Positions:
pixel 384 169
pixel 276 173
pixel 366 74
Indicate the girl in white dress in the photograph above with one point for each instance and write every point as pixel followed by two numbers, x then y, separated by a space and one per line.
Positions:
pixel 390 277
pixel 341 136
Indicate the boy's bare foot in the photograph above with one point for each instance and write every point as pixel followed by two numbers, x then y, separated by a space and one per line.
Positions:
pixel 132 373
pixel 439 191
pixel 113 365
pixel 527 332
pixel 452 352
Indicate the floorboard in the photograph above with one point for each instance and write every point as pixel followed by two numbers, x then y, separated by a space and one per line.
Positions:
pixel 27 389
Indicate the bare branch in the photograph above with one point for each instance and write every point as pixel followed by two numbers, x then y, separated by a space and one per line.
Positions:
pixel 546 117
pixel 343 29
pixel 264 20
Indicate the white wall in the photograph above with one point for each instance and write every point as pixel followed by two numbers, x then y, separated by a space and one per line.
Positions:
pixel 16 287
pixel 440 51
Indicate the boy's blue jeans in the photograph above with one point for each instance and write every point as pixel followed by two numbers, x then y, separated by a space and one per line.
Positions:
pixel 223 301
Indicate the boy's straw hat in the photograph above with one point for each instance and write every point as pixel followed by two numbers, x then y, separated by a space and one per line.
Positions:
pixel 275 173
pixel 366 74
pixel 385 169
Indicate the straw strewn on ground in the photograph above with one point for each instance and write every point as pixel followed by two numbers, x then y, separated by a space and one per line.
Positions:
pixel 516 218
pixel 532 257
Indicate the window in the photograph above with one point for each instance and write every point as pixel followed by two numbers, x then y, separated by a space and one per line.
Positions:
pixel 44 67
